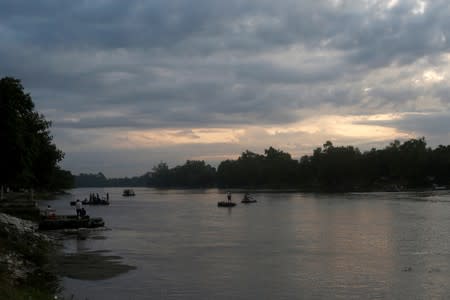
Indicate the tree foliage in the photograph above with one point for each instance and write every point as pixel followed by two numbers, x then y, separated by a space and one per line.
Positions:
pixel 273 169
pixel 100 180
pixel 345 168
pixel 193 173
pixel 28 155
pixel 410 164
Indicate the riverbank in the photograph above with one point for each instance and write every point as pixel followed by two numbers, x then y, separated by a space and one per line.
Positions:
pixel 34 263
pixel 25 264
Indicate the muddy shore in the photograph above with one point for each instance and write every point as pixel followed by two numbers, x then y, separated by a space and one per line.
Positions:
pixel 33 262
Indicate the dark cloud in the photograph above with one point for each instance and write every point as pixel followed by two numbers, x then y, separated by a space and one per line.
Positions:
pixel 430 124
pixel 373 34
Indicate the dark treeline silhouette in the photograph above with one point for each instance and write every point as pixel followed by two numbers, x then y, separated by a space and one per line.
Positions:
pixel 193 174
pixel 398 166
pixel 274 169
pixel 28 156
pixel 99 180
pixel 405 165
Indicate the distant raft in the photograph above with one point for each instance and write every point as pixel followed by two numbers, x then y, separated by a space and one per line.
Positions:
pixel 226 204
pixel 69 222
pixel 248 199
pixel 128 193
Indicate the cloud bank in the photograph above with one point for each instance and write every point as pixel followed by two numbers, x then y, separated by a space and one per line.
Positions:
pixel 130 83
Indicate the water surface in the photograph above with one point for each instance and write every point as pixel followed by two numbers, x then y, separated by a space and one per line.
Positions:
pixel 286 246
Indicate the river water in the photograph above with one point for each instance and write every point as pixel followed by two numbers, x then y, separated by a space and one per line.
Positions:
pixel 285 246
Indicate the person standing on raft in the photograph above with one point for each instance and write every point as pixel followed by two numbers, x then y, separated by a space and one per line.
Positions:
pixel 229 196
pixel 79 207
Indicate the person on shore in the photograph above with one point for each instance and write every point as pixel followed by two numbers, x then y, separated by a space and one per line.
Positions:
pixel 78 206
pixel 49 212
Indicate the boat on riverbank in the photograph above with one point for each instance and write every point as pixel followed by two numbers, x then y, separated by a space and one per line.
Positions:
pixel 69 222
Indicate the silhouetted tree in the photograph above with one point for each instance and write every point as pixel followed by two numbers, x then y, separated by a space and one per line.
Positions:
pixel 439 165
pixel 160 175
pixel 192 174
pixel 28 155
pixel 273 169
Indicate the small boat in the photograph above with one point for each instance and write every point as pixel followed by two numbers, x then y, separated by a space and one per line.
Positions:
pixel 248 199
pixel 439 187
pixel 226 204
pixel 69 222
pixel 128 192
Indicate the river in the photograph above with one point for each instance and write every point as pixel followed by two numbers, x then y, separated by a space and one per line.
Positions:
pixel 179 245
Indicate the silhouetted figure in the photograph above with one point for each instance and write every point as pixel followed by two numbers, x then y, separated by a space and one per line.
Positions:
pixel 49 212
pixel 229 196
pixel 79 207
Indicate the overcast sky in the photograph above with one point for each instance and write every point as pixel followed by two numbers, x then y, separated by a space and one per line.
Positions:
pixel 128 84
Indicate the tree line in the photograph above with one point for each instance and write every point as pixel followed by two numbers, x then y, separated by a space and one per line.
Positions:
pixel 400 165
pixel 28 156
pixel 100 180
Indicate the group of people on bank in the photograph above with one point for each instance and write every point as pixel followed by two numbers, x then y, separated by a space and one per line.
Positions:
pixel 80 210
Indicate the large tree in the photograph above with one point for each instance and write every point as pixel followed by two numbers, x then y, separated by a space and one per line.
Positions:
pixel 28 155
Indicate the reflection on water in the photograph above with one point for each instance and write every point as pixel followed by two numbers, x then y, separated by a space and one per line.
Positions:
pixel 91 265
pixel 286 246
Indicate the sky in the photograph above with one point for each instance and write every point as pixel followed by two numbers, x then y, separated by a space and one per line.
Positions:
pixel 129 84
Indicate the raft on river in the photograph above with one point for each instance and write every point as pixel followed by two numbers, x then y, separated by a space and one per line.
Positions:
pixel 91 202
pixel 226 204
pixel 69 222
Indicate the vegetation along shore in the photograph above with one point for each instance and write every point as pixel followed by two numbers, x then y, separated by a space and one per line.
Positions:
pixel 29 161
pixel 398 166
